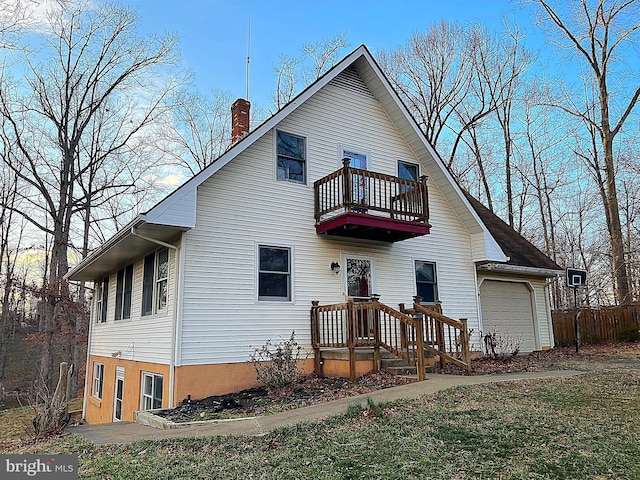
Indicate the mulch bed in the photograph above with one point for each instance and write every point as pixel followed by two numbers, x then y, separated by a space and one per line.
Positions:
pixel 310 390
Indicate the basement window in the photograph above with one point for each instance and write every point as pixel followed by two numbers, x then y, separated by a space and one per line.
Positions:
pixel 98 380
pixel 151 391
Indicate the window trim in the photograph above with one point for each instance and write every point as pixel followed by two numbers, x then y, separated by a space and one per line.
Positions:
pixel 436 296
pixel 153 282
pixel 289 273
pixel 97 384
pixel 305 172
pixel 144 396
pixel 121 292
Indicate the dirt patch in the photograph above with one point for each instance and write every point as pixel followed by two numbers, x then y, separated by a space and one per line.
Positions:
pixel 596 358
pixel 256 401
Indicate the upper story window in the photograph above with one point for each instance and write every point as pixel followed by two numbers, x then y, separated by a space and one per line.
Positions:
pixel 358 159
pixel 124 289
pixel 274 273
pixel 102 300
pixel 292 157
pixel 426 283
pixel 408 171
pixel 155 281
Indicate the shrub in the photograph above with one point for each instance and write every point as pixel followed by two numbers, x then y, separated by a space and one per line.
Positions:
pixel 502 344
pixel 278 365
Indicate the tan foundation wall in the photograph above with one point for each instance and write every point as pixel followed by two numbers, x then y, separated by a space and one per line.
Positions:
pixel 101 410
pixel 201 381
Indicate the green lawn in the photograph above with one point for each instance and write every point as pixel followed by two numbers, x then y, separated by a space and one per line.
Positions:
pixel 585 427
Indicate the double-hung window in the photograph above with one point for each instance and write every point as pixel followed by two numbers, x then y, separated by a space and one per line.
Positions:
pixel 151 391
pixel 102 300
pixel 155 282
pixel 292 157
pixel 274 273
pixel 124 288
pixel 426 282
pixel 98 379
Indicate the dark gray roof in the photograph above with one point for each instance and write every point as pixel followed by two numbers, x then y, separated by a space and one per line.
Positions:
pixel 520 251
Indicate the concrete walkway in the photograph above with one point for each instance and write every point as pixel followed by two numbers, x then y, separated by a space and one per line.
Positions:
pixel 126 432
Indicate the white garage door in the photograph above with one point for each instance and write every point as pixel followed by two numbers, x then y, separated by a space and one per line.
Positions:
pixel 507 311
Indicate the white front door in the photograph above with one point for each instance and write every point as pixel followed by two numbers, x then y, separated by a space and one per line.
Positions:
pixel 118 394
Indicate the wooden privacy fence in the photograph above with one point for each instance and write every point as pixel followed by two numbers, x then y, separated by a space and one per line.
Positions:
pixel 597 325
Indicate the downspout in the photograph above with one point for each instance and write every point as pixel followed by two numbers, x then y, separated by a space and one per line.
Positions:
pixel 87 366
pixel 547 301
pixel 172 360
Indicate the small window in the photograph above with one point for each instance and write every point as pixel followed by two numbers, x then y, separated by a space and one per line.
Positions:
pixel 274 273
pixel 98 379
pixel 426 285
pixel 124 287
pixel 155 282
pixel 102 300
pixel 291 158
pixel 151 391
pixel 408 171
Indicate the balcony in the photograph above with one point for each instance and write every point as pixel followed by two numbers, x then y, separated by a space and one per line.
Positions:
pixel 356 203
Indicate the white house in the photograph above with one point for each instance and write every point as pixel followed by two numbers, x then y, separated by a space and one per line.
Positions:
pixel 237 255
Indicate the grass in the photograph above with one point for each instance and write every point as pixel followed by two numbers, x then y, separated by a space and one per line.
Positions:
pixel 585 427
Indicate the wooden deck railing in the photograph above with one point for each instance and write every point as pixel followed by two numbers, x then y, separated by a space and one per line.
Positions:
pixel 355 190
pixel 367 324
pixel 406 333
pixel 444 336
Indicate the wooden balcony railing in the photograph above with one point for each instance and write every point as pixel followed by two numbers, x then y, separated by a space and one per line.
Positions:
pixel 355 190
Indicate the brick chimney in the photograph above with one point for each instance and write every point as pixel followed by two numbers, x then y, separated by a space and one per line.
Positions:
pixel 239 119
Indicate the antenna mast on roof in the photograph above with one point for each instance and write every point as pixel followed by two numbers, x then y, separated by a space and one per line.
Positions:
pixel 248 56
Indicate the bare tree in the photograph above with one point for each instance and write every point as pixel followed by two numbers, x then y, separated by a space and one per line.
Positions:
pixel 597 33
pixel 293 72
pixel 200 127
pixel 95 83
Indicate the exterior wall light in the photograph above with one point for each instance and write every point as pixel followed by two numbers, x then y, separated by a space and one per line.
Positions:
pixel 335 267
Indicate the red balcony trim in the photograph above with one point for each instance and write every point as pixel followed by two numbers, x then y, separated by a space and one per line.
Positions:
pixel 374 221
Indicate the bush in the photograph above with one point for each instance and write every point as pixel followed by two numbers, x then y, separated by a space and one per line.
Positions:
pixel 278 366
pixel 502 344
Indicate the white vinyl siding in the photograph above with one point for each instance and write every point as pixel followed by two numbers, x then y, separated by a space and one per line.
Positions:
pixel 143 338
pixel 242 205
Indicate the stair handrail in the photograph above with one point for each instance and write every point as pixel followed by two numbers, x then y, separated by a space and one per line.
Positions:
pixel 463 335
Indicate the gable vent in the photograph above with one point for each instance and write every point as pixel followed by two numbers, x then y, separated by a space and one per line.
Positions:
pixel 350 79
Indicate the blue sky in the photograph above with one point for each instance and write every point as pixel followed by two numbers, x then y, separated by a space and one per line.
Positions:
pixel 213 34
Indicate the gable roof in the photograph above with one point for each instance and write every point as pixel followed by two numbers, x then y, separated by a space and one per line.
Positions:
pixel 177 211
pixel 520 251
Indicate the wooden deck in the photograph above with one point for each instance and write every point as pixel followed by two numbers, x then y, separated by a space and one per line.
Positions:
pixel 406 334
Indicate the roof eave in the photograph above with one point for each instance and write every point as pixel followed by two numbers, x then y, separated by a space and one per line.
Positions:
pixel 519 269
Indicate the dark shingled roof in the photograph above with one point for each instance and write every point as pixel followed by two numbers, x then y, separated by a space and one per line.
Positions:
pixel 520 251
